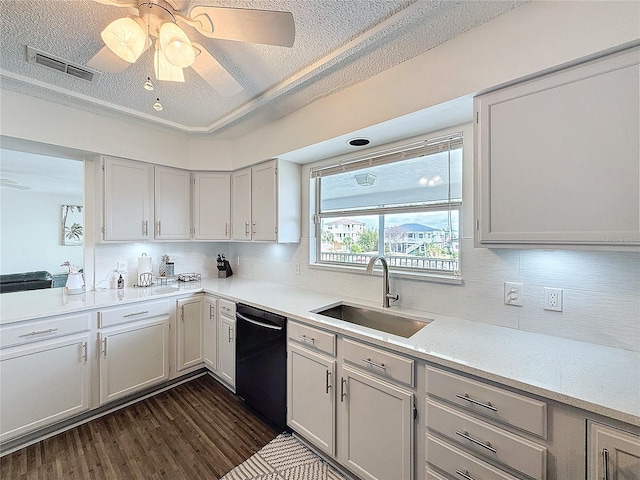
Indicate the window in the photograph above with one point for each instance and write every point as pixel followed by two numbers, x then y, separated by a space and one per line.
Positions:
pixel 402 203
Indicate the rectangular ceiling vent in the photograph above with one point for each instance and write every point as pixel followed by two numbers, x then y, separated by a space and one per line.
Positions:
pixel 47 60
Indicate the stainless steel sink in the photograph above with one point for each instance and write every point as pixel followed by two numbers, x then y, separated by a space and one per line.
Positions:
pixel 375 319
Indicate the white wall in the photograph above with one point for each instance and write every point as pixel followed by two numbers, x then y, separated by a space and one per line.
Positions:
pixel 30 232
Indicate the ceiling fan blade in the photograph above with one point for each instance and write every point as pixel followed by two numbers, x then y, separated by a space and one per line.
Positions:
pixel 245 25
pixel 107 61
pixel 215 74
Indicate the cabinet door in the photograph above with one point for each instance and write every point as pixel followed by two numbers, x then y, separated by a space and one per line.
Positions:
pixel 241 205
pixel 133 357
pixel 558 158
pixel 264 198
pixel 612 454
pixel 227 349
pixel 311 397
pixel 190 326
pixel 210 327
pixel 43 384
pixel 126 200
pixel 172 204
pixel 376 427
pixel 212 206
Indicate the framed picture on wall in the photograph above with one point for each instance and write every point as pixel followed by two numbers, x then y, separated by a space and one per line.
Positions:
pixel 72 229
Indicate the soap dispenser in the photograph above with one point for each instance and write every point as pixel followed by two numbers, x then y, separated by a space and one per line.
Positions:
pixel 120 282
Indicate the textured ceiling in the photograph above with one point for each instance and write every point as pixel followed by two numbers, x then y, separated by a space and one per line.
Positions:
pixel 338 43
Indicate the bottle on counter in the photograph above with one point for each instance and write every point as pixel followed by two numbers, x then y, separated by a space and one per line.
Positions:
pixel 120 282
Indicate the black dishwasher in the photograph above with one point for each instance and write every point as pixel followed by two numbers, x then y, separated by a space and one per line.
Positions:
pixel 261 362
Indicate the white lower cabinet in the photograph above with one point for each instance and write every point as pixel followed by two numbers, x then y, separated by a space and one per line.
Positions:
pixel 311 404
pixel 362 418
pixel 227 342
pixel 190 332
pixel 210 332
pixel 376 427
pixel 133 357
pixel 43 383
pixel 612 454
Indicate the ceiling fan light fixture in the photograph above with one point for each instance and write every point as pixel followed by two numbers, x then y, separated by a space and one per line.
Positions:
pixel 176 46
pixel 126 38
pixel 164 70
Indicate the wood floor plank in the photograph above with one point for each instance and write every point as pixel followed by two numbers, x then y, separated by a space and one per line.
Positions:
pixel 196 430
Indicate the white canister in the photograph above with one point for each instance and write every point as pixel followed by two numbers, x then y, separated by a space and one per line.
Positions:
pixel 75 283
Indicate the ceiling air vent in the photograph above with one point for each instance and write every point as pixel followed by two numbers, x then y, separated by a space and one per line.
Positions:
pixel 44 59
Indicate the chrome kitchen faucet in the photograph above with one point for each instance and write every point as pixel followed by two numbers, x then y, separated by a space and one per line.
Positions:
pixel 386 296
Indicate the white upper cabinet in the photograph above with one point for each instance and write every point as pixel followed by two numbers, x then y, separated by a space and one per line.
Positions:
pixel 172 204
pixel 211 206
pixel 266 202
pixel 241 205
pixel 126 201
pixel 557 158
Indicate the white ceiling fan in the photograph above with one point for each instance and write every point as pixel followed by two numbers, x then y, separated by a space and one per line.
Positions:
pixel 127 38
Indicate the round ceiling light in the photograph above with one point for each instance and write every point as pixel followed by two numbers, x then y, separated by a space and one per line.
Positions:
pixel 359 142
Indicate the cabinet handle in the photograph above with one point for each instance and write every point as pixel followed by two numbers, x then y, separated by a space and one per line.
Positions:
pixel 136 314
pixel 476 402
pixel 145 228
pixel 254 228
pixel 226 229
pixel 381 366
pixel 486 445
pixel 39 332
pixel 305 339
pixel 104 347
pixel 246 229
pixel 158 227
pixel 182 313
pixel 210 311
pixel 605 464
pixel 327 383
pixel 465 474
pixel 342 392
pixel 84 352
pixel 230 331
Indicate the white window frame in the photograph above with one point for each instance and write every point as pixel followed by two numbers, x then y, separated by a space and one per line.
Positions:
pixel 447 142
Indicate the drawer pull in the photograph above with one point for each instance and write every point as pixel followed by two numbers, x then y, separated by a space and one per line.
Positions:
pixel 605 464
pixel 368 361
pixel 327 382
pixel 486 445
pixel 305 339
pixel 465 474
pixel 40 332
pixel 476 402
pixel 342 392
pixel 136 314
pixel 85 355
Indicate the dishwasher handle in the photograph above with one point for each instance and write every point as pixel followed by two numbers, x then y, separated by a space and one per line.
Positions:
pixel 260 324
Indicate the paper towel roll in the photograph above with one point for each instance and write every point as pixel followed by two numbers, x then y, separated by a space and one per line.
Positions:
pixel 144 264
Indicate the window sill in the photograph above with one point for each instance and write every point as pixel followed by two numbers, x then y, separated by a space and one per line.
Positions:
pixel 420 276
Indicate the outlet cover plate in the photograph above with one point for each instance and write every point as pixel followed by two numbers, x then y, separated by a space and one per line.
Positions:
pixel 553 299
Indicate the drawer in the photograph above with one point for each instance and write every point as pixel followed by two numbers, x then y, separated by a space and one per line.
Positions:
pixel 459 464
pixel 32 331
pixel 488 440
pixel 495 403
pixel 378 361
pixel 132 313
pixel 225 307
pixel 312 338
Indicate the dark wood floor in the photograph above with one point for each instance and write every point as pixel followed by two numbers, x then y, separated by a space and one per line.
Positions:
pixel 197 430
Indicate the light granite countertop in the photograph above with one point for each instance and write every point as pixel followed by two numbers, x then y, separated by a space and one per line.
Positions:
pixel 596 378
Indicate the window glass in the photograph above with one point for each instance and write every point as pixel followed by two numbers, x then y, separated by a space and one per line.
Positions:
pixel 407 210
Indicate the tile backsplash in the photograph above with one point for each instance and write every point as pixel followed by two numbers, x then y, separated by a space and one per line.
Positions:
pixel 601 290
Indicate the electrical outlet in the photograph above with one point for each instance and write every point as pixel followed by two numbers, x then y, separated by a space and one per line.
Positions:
pixel 513 294
pixel 121 266
pixel 296 268
pixel 553 299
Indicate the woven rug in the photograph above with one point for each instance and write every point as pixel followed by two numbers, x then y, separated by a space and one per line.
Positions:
pixel 284 458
